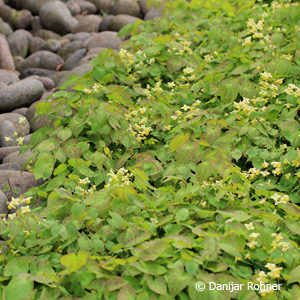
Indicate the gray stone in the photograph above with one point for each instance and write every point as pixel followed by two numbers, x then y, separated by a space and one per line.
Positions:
pixel 153 14
pixel 5 28
pixel 7 130
pixel 36 23
pixel 18 42
pixel 10 166
pixel 105 24
pixel 79 36
pixel 36 44
pixel 105 39
pixel 15 157
pixel 74 59
pixel 92 53
pixel 18 19
pixel 70 48
pixel 21 125
pixel 126 7
pixel 46 81
pixel 119 21
pixel 20 111
pixel 73 7
pixel 89 23
pixel 4 151
pixel 102 5
pixel 8 77
pixel 58 76
pixel 6 60
pixel 18 60
pixel 3 203
pixel 42 59
pixel 52 45
pixel 27 139
pixel 37 72
pixel 87 7
pixel 144 7
pixel 47 34
pixel 2 85
pixel 56 16
pixel 33 5
pixel 17 180
pixel 19 94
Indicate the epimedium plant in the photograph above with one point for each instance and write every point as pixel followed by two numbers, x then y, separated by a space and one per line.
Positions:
pixel 173 161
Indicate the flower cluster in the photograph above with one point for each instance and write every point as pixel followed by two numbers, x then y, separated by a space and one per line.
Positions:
pixel 293 90
pixel 278 199
pixel 140 130
pixel 82 188
pixel 18 204
pixel 277 243
pixel 121 178
pixel 19 139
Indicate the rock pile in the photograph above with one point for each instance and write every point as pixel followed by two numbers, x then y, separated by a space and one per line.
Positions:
pixel 42 42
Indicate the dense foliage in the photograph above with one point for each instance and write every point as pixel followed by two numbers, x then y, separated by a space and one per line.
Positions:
pixel 173 161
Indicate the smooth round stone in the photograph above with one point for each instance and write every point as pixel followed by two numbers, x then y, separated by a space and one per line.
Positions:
pixel 70 48
pixel 10 166
pixel 144 7
pixel 92 53
pixel 152 14
pixel 21 125
pixel 79 36
pixel 74 59
pixel 6 59
pixel 20 94
pixel 5 28
pixel 36 72
pixel 36 23
pixel 2 85
pixel 18 42
pixel 55 16
pixel 126 7
pixel 87 7
pixel 4 151
pixel 119 21
pixel 104 26
pixel 52 45
pixel 20 159
pixel 7 130
pixel 8 77
pixel 36 44
pixel 33 5
pixel 21 111
pixel 89 23
pixel 47 34
pixel 27 139
pixel 18 180
pixel 103 5
pixel 73 7
pixel 42 59
pixel 105 39
pixel 3 203
pixel 46 81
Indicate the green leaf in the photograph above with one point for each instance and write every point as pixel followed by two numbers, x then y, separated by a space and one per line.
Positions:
pixel 182 215
pixel 48 145
pixel 74 262
pixel 64 134
pixel 19 287
pixel 17 265
pixel 294 275
pixel 179 140
pixel 78 209
pixel 177 279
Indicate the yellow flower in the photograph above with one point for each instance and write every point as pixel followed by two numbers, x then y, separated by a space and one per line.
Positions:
pixel 264 164
pixel 252 244
pixel 287 176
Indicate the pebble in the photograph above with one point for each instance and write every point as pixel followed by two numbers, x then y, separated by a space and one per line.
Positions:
pixel 10 166
pixel 19 94
pixel 87 7
pixel 18 42
pixel 36 71
pixel 70 48
pixel 3 203
pixel 89 23
pixel 119 21
pixel 7 129
pixel 105 39
pixel 6 60
pixel 55 16
pixel 18 180
pixel 127 7
pixel 41 59
pixel 4 151
pixel 73 7
pixel 74 59
pixel 20 159
pixel 21 111
pixel 5 28
pixel 20 123
pixel 8 77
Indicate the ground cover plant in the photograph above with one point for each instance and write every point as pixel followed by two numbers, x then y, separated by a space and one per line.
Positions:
pixel 174 161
